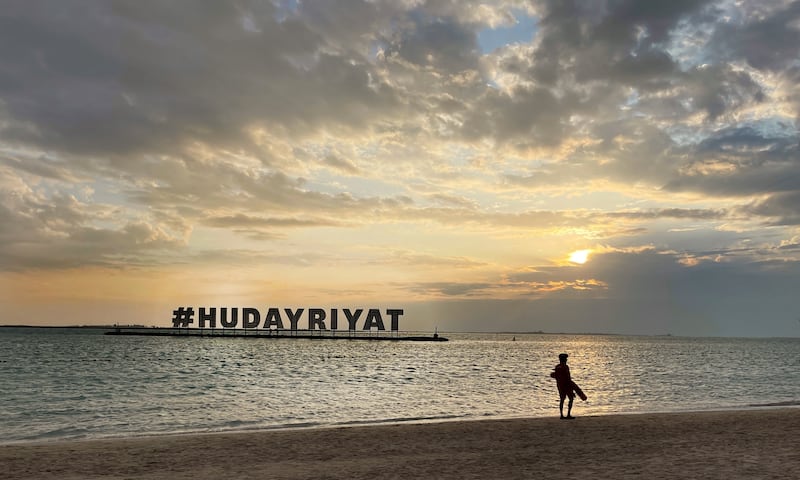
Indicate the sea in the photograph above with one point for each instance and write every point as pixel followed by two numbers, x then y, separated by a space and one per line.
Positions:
pixel 63 384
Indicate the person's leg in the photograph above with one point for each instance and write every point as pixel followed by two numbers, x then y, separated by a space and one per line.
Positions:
pixel 569 407
pixel 561 405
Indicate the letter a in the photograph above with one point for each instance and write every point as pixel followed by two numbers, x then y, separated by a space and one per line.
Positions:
pixel 374 319
pixel 273 318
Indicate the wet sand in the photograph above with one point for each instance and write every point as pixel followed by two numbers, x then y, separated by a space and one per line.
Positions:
pixel 742 444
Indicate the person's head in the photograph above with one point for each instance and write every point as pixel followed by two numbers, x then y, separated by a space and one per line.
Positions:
pixel 562 357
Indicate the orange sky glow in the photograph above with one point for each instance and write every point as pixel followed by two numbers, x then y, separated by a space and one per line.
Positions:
pixel 489 166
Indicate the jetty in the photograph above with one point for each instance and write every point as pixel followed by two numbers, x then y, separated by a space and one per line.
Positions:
pixel 369 335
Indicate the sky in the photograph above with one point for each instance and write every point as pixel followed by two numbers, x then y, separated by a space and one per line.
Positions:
pixel 622 167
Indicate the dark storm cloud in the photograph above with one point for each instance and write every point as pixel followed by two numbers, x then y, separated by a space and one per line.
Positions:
pixel 649 70
pixel 597 40
pixel 780 208
pixel 118 78
pixel 675 213
pixel 242 220
pixel 445 44
pixel 718 89
pixel 625 274
pixel 593 58
pixel 635 150
pixel 154 98
pixel 648 292
pixel 346 22
pixel 529 115
pixel 452 289
pixel 770 40
pixel 747 162
pixel 40 166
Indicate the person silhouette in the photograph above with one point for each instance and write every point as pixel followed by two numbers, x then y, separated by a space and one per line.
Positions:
pixel 566 387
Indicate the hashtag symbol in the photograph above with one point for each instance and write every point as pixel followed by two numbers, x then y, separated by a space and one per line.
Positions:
pixel 182 317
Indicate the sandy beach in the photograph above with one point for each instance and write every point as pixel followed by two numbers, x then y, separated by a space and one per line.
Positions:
pixel 744 444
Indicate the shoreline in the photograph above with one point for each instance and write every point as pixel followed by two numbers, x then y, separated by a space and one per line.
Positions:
pixel 742 443
pixel 788 405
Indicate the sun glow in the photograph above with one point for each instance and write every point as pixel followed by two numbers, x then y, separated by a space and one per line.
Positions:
pixel 579 256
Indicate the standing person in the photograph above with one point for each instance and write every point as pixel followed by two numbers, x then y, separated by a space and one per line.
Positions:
pixel 566 387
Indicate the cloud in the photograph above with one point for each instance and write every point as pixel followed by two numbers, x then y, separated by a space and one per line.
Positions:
pixel 264 229
pixel 377 133
pixel 646 291
pixel 241 220
pixel 408 258
pixel 741 161
pixel 40 166
pixel 590 41
pixel 55 231
pixel 766 39
pixel 451 289
pixel 246 258
pixel 448 45
pixel 719 89
pixel 643 273
pixel 133 79
pixel 342 165
pixel 780 208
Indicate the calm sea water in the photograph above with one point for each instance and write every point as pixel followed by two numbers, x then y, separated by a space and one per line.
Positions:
pixel 77 383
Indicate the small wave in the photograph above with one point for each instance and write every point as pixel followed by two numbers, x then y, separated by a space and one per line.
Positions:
pixel 241 426
pixel 66 433
pixel 292 425
pixel 236 424
pixel 384 421
pixel 787 403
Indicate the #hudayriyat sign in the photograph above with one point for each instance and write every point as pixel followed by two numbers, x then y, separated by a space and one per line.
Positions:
pixel 273 318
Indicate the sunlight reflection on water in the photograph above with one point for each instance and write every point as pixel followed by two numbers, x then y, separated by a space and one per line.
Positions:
pixel 87 385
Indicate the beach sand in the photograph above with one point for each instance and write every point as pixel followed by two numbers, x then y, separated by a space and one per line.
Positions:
pixel 745 444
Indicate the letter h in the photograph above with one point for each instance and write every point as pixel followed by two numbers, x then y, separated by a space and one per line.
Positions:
pixel 211 317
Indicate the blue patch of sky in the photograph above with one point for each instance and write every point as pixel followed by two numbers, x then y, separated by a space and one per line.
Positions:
pixel 774 127
pixel 375 47
pixel 523 31
pixel 684 135
pixel 688 45
pixel 285 9
pixel 249 24
pixel 768 127
pixel 632 99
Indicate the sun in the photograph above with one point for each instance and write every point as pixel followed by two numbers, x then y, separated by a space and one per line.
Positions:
pixel 579 256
